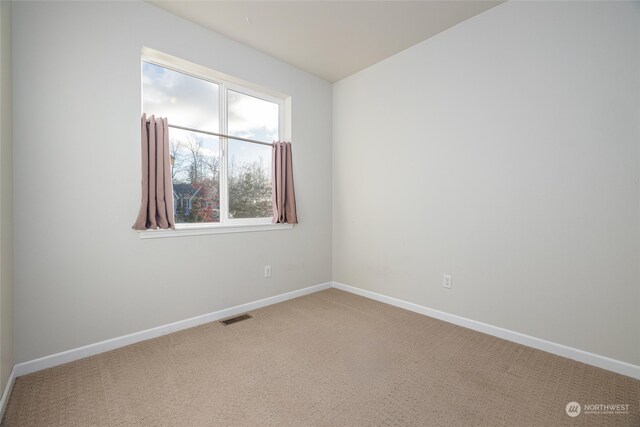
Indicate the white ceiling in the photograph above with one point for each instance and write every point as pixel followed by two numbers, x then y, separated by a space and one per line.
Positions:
pixel 331 39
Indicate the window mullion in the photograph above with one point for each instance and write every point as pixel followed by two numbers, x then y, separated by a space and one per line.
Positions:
pixel 224 150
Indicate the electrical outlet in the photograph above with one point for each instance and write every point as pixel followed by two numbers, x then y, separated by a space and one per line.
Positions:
pixel 446 281
pixel 267 271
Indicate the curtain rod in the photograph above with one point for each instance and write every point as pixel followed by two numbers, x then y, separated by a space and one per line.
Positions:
pixel 221 135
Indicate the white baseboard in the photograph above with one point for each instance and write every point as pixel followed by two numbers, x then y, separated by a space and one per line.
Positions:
pixel 111 344
pixel 35 365
pixel 7 392
pixel 603 362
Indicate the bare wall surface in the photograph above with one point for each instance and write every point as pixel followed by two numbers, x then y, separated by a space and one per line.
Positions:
pixel 82 275
pixel 6 206
pixel 503 151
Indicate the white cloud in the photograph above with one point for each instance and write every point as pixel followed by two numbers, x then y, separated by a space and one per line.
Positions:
pixel 250 117
pixel 182 99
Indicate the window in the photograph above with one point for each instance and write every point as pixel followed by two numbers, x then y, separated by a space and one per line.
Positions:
pixel 220 136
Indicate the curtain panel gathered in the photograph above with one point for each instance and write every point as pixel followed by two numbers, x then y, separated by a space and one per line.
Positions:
pixel 283 194
pixel 156 209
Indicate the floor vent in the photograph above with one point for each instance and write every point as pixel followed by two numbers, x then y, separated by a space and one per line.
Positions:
pixel 236 319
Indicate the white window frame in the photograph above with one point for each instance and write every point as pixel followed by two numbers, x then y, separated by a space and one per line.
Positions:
pixel 226 83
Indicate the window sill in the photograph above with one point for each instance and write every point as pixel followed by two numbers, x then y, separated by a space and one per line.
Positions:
pixel 203 230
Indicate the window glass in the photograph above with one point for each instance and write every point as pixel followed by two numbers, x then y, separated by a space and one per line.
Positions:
pixel 252 118
pixel 249 180
pixel 195 161
pixel 185 100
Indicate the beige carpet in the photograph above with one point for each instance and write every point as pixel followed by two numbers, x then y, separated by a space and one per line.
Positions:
pixel 327 359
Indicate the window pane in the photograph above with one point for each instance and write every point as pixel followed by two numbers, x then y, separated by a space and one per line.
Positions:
pixel 184 100
pixel 249 180
pixel 196 176
pixel 251 117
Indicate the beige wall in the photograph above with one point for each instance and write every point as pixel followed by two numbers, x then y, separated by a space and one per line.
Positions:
pixel 504 152
pixel 6 232
pixel 81 274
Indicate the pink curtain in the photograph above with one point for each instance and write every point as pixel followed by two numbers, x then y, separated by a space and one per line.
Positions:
pixel 156 210
pixel 283 195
